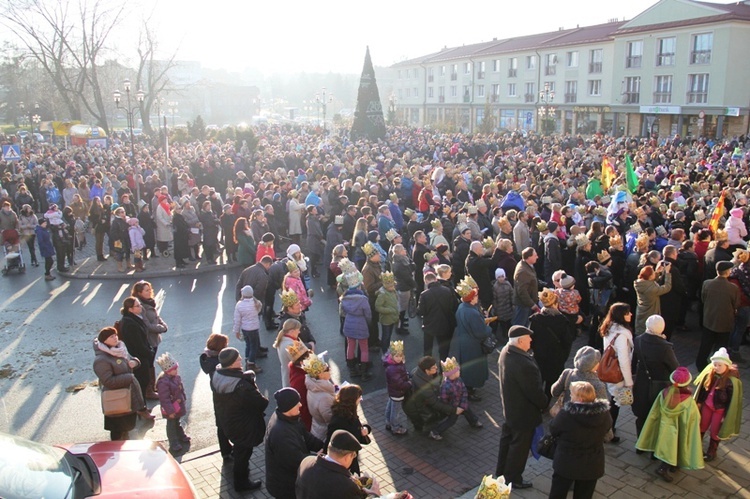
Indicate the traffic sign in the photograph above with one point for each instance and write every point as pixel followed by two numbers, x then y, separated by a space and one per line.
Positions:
pixel 12 152
pixel 702 114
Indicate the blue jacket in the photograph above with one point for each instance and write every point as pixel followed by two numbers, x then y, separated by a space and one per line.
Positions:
pixel 355 307
pixel 44 240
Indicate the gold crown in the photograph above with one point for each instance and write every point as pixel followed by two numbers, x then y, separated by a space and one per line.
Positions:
pixel 639 212
pixel 314 366
pixel 600 211
pixel 582 240
pixel 603 256
pixel 291 266
pixel 461 218
pixel 721 235
pixel 435 222
pixel 488 242
pixel 430 255
pixel 581 209
pixel 699 215
pixel 547 297
pixel 396 348
pixel 388 278
pixel 636 228
pixel 615 241
pixel 449 364
pixel 296 350
pixel 390 235
pixel 465 286
pixel 541 226
pixel 493 488
pixel 369 249
pixel 347 266
pixel 289 298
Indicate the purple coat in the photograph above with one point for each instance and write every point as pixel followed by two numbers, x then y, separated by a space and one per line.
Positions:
pixel 355 308
pixel 396 378
pixel 171 395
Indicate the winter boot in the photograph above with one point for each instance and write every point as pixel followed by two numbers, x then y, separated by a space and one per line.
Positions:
pixel 150 390
pixel 139 267
pixel 365 370
pixel 121 266
pixel 711 452
pixel 354 368
pixel 403 323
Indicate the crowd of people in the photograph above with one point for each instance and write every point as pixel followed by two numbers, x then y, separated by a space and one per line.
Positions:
pixel 523 240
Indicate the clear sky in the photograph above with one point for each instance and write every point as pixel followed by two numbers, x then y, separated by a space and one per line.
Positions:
pixel 331 35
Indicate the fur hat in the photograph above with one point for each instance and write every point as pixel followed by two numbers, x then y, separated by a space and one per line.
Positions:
pixel 167 362
pixel 548 298
pixel 681 376
pixel 721 355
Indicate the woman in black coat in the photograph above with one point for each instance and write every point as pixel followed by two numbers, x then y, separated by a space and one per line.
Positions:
pixel 209 361
pixel 147 223
pixel 552 339
pixel 181 232
pixel 653 361
pixel 345 417
pixel 580 428
pixel 134 333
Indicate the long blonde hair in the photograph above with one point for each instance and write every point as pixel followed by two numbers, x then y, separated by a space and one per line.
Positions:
pixel 289 325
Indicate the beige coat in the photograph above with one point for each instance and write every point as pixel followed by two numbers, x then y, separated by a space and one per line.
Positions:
pixel 649 304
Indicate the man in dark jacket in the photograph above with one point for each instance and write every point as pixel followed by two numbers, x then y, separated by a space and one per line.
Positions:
pixel 287 444
pixel 460 252
pixel 403 271
pixel 523 402
pixel 324 476
pixel 424 405
pixel 721 299
pixel 552 254
pixel 437 307
pixel 526 288
pixel 478 267
pixel 420 249
pixel 239 407
pixel 671 303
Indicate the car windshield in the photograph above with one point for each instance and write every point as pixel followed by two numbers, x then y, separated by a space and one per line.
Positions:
pixel 33 470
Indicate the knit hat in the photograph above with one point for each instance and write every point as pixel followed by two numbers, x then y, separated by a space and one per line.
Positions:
pixel 567 281
pixel 372 236
pixel 105 333
pixel 286 399
pixel 721 355
pixel 499 273
pixel 247 291
pixel 167 362
pixel 132 221
pixel 655 324
pixel 681 376
pixel 587 358
pixel 548 297
pixel 343 440
pixel 267 237
pixel 736 212
pixel 228 356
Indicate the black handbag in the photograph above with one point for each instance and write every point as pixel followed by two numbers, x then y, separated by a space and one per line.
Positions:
pixel 489 344
pixel 547 446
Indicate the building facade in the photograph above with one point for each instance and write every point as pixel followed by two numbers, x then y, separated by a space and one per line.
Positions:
pixel 676 68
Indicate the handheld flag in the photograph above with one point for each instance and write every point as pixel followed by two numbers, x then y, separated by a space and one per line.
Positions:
pixel 716 216
pixel 630 175
pixel 608 174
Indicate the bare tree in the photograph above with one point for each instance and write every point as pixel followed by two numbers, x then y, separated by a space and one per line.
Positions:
pixel 152 74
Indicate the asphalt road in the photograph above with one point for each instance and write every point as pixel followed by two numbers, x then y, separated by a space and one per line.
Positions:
pixel 46 334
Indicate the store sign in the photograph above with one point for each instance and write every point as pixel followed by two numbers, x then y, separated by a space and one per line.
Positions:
pixel 731 111
pixel 660 110
pixel 591 109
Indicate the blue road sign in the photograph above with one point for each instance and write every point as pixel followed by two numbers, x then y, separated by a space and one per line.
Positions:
pixel 12 152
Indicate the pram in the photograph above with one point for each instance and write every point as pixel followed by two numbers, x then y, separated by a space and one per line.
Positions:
pixel 12 252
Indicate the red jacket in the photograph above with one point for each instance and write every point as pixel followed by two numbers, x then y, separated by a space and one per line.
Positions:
pixel 264 250
pixel 297 381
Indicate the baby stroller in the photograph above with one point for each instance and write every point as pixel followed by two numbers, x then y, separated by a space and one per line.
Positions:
pixel 12 252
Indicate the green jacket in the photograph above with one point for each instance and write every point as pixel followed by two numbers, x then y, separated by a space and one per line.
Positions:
pixel 246 249
pixel 386 305
pixel 673 435
pixel 730 427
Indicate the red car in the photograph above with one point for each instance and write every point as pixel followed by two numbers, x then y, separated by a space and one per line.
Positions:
pixel 136 468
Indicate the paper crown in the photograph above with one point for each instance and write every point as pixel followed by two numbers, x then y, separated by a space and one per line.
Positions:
pixel 314 366
pixel 600 211
pixel 347 266
pixel 742 255
pixel 369 249
pixel 166 362
pixel 603 256
pixel 388 278
pixel 465 286
pixel 582 240
pixel 488 243
pixel 338 220
pixel 581 209
pixel 461 219
pixel 296 350
pixel 661 230
pixel 450 366
pixel 435 223
pixel 615 241
pixel 291 266
pixel 721 235
pixel 493 488
pixel 408 213
pixel 391 234
pixel 639 212
pixel 289 298
pixel 541 226
pixel 396 348
pixel 699 215
pixel 353 279
pixel 636 228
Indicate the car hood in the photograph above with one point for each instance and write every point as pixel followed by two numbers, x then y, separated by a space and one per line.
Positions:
pixel 138 468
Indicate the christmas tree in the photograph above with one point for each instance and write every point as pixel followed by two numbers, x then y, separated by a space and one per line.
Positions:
pixel 368 117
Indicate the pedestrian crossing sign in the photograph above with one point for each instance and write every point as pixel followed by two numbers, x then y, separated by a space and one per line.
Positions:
pixel 12 152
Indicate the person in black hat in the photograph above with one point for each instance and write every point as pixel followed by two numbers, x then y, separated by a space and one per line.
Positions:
pixel 721 299
pixel 523 402
pixel 324 476
pixel 239 407
pixel 287 444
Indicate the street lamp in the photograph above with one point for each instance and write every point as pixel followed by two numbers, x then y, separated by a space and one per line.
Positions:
pixel 323 99
pixel 32 116
pixel 547 111
pixel 173 109
pixel 392 109
pixel 130 113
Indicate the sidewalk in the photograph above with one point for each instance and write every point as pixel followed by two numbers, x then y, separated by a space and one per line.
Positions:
pixel 88 267
pixel 456 465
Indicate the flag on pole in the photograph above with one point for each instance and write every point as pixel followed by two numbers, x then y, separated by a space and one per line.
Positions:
pixel 713 224
pixel 630 175
pixel 608 174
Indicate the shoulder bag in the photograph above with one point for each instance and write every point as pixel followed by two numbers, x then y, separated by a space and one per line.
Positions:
pixel 116 402
pixel 654 386
pixel 557 407
pixel 547 446
pixel 609 367
pixel 488 344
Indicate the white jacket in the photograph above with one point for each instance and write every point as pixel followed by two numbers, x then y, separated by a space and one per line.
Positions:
pixel 736 230
pixel 246 315
pixel 320 395
pixel 624 349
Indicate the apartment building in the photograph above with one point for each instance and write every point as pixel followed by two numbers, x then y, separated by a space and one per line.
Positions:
pixel 676 68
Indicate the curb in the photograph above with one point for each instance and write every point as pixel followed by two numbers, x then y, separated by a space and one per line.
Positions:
pixel 205 452
pixel 204 269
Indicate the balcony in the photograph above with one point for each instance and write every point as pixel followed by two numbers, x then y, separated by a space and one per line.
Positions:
pixel 665 59
pixel 634 61
pixel 697 97
pixel 528 98
pixel 631 98
pixel 662 97
pixel 494 98
pixel 454 76
pixel 430 78
pixel 570 98
pixel 550 70
pixel 512 73
pixel 441 99
pixel 467 98
pixel 595 67
pixel 700 57
pixel 480 75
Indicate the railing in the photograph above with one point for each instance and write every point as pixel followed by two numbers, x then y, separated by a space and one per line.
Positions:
pixel 633 61
pixel 595 67
pixel 700 57
pixel 665 59
pixel 697 97
pixel 662 97
pixel 512 72
pixel 631 98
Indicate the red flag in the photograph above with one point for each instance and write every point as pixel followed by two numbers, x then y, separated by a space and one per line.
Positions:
pixel 717 214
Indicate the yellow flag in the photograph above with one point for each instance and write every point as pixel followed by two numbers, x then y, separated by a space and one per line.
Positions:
pixel 713 224
pixel 608 174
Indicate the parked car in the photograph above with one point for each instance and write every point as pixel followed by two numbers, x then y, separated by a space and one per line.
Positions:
pixel 138 468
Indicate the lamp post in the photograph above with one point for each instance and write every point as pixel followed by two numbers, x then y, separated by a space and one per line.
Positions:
pixel 392 109
pixel 130 113
pixel 546 109
pixel 173 109
pixel 323 99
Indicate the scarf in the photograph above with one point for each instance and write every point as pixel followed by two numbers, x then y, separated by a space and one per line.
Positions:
pixel 119 350
pixel 150 302
pixel 165 205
